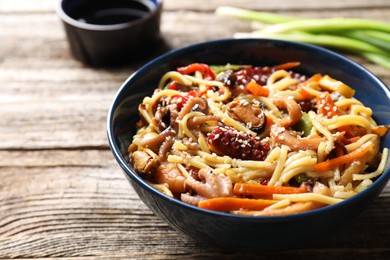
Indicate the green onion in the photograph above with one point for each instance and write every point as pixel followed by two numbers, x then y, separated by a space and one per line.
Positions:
pixel 304 124
pixel 383 61
pixel 220 68
pixel 379 39
pixel 252 15
pixel 368 38
pixel 321 39
pixel 328 25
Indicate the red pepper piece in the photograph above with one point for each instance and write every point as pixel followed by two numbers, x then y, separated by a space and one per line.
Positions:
pixel 192 68
pixel 182 99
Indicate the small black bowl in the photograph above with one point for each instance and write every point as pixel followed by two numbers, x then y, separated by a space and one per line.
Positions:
pixel 228 231
pixel 110 33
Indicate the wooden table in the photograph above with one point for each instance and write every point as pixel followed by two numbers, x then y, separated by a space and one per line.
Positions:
pixel 62 194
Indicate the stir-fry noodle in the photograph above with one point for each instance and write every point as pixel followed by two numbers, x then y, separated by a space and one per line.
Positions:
pixel 257 141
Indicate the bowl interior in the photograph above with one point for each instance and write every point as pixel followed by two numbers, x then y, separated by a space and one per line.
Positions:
pixel 123 114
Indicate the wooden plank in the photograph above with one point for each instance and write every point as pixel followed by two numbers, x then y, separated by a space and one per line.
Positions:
pixel 205 5
pixel 57 158
pixel 38 125
pixel 189 19
pixel 22 6
pixel 131 245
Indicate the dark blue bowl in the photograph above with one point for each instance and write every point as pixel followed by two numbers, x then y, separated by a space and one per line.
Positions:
pixel 229 231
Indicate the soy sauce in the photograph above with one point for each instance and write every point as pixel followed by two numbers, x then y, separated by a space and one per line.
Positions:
pixel 112 11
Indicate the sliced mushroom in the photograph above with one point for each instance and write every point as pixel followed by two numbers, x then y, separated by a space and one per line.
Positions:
pixel 227 77
pixel 249 114
pixel 144 161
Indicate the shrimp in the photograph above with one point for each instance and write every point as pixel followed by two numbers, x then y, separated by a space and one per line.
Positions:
pixel 169 173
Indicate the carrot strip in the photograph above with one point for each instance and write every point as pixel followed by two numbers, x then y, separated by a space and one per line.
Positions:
pixel 380 130
pixel 315 78
pixel 310 81
pixel 256 89
pixel 264 190
pixel 347 158
pixel 304 94
pixel 227 204
pixel 326 106
pixel 287 65
pixel 268 125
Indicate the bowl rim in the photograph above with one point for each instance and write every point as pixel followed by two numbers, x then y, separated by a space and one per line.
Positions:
pixel 384 177
pixel 66 18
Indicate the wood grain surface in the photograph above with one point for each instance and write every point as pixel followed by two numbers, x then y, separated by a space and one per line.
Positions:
pixel 62 194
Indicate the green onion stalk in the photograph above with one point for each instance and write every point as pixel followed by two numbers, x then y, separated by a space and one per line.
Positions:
pixel 367 38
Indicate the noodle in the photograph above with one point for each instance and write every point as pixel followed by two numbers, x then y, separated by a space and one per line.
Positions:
pixel 256 126
pixel 307 197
